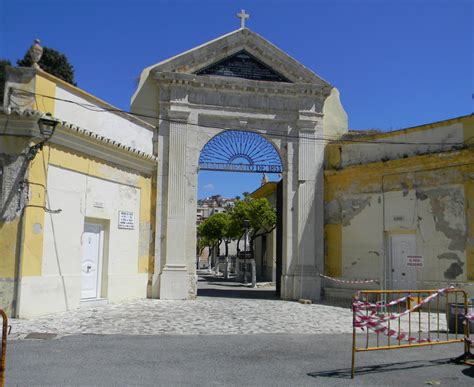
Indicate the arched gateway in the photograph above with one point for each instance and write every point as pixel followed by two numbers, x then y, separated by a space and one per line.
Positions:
pixel 238 83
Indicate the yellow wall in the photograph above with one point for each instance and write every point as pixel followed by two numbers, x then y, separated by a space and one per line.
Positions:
pixel 32 246
pixel 333 251
pixel 47 88
pixel 265 190
pixel 469 129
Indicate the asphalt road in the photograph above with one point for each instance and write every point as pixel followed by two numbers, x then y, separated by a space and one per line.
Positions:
pixel 233 360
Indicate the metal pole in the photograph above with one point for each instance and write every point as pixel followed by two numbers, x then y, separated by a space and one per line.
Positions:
pixel 245 257
pixel 3 355
pixel 246 226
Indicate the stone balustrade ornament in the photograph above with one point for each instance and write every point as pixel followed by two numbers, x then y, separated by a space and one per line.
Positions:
pixel 36 51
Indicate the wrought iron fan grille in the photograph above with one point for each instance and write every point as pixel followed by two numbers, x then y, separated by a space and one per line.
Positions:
pixel 239 151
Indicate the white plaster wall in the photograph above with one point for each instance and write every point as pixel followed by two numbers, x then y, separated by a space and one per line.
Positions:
pixel 435 227
pixel 362 237
pixel 365 153
pixel 335 121
pixel 79 197
pixel 107 124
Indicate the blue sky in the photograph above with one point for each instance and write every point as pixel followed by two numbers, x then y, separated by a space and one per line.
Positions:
pixel 397 63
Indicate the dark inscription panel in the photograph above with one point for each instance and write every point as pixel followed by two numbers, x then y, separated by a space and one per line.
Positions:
pixel 243 65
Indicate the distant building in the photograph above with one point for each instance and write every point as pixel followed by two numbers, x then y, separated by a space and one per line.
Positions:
pixel 265 246
pixel 213 205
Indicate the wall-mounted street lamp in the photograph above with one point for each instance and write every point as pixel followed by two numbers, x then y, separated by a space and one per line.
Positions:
pixel 47 124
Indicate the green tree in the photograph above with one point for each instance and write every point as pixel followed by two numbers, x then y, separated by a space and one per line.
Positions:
pixel 53 62
pixel 215 229
pixel 259 213
pixel 3 74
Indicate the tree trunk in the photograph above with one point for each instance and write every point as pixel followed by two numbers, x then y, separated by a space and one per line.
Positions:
pixel 254 273
pixel 217 257
pixel 226 267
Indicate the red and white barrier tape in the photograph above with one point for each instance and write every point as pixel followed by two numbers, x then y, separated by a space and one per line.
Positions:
pixel 364 305
pixel 374 322
pixel 469 317
pixel 349 281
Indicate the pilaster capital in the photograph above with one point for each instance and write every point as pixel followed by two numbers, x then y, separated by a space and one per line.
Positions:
pixel 179 115
pixel 308 121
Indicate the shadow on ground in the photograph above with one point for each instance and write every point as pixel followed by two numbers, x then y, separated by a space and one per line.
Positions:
pixel 211 286
pixel 345 373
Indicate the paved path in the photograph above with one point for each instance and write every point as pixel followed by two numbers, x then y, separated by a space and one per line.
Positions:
pixel 226 314
pixel 218 310
pixel 203 316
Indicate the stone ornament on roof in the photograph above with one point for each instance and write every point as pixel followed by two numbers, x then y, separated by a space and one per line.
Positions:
pixel 36 51
pixel 242 16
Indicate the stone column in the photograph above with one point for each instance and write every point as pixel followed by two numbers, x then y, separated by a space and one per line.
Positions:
pixel 174 278
pixel 307 283
pixel 302 278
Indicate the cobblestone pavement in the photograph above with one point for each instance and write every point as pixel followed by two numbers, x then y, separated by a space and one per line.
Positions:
pixel 205 315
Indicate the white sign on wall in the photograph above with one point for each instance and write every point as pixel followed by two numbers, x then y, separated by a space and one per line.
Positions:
pixel 415 260
pixel 126 220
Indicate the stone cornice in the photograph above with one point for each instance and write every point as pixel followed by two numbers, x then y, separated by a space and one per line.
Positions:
pixel 239 84
pixel 104 149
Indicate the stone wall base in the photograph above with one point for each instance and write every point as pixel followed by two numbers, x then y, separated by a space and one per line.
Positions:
pixel 176 283
pixel 298 286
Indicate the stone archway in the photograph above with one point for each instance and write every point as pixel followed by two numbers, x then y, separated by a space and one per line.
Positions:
pixel 208 90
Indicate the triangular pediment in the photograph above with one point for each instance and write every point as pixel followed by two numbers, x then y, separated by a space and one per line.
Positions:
pixel 224 56
pixel 243 65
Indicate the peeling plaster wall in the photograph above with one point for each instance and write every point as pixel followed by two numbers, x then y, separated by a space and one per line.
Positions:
pixel 434 138
pixel 353 154
pixel 427 196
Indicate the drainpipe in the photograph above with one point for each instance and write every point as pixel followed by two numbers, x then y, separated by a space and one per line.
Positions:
pixel 17 290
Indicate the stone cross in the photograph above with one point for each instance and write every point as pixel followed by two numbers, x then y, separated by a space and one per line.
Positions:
pixel 242 16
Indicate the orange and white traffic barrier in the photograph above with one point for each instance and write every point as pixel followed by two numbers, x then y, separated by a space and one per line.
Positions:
pixel 389 319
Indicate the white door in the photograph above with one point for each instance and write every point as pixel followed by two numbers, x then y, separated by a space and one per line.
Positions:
pixel 91 257
pixel 402 275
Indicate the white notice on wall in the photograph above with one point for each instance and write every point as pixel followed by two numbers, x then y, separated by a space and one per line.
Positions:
pixel 415 260
pixel 126 220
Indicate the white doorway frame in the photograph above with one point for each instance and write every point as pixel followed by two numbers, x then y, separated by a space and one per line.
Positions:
pixel 100 259
pixel 390 281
